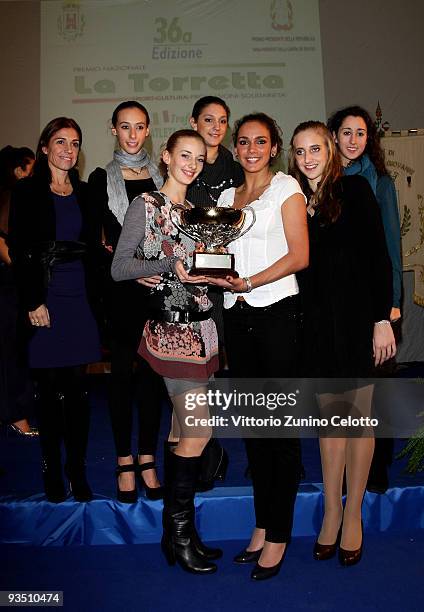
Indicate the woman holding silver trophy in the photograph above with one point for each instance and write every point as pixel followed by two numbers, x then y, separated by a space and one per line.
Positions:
pixel 261 320
pixel 179 339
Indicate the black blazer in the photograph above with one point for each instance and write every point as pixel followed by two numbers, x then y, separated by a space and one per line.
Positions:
pixel 32 221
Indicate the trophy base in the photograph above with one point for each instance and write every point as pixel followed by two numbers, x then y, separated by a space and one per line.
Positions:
pixel 216 265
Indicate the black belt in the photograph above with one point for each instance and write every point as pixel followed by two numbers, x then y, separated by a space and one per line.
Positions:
pixel 56 252
pixel 179 316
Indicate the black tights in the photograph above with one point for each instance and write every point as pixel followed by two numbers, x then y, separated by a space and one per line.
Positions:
pixel 62 413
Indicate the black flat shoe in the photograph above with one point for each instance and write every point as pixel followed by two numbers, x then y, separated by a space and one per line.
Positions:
pixel 351 557
pixel 125 497
pixel 264 573
pixel 322 552
pixel 152 493
pixel 247 556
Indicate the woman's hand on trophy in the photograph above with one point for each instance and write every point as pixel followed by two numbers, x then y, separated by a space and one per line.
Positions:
pixel 235 285
pixel 149 281
pixel 184 276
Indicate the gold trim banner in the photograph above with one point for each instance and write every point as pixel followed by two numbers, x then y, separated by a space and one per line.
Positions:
pixel 405 162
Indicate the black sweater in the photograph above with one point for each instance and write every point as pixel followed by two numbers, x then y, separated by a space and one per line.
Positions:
pixel 33 221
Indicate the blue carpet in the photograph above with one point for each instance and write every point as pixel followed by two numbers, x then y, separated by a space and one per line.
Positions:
pixel 137 579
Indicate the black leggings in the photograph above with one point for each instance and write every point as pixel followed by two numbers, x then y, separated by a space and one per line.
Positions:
pixel 262 343
pixel 126 384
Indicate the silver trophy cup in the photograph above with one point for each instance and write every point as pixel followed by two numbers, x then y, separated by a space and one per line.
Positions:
pixel 215 228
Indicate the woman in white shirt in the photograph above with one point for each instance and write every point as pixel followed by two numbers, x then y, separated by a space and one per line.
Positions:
pixel 261 322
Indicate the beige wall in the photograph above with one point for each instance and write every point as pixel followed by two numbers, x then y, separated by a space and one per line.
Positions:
pixel 372 50
pixel 19 73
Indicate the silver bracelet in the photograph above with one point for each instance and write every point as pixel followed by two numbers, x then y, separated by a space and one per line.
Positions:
pixel 383 322
pixel 248 284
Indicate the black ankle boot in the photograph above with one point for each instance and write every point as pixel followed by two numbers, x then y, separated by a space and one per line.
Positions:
pixel 80 488
pixel 213 465
pixel 54 486
pixel 180 542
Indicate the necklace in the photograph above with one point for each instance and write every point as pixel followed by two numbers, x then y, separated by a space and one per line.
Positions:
pixel 136 171
pixel 61 190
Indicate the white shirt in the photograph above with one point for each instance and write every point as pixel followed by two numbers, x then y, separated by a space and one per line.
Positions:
pixel 264 244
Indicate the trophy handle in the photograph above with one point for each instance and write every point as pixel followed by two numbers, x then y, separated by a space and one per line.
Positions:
pixel 250 209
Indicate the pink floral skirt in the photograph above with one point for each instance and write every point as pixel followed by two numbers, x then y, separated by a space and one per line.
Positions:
pixel 181 350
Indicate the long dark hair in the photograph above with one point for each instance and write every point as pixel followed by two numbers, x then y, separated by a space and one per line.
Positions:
pixel 41 166
pixel 272 126
pixel 373 147
pixel 327 196
pixel 10 159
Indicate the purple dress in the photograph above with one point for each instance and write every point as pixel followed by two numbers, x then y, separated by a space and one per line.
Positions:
pixel 72 338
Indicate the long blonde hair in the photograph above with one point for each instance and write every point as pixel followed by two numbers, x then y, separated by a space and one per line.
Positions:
pixel 327 196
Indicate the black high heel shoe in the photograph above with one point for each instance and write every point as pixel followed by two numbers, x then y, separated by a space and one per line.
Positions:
pixel 351 557
pixel 14 431
pixel 152 493
pixel 322 552
pixel 247 556
pixel 264 573
pixel 125 497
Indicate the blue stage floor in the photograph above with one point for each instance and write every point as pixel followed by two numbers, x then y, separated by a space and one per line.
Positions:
pixel 137 579
pixel 225 513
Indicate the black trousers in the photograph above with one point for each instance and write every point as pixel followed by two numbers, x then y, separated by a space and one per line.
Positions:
pixel 132 379
pixel 261 342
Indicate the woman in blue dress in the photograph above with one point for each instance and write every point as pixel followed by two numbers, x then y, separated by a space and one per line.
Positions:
pixel 52 244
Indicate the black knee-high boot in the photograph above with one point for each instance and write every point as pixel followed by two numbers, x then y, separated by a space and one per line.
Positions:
pixel 205 551
pixel 50 427
pixel 179 535
pixel 77 420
